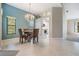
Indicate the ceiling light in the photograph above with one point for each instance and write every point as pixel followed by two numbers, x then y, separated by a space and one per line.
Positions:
pixel 29 16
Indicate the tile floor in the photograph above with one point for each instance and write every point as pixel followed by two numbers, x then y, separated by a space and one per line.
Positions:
pixel 45 47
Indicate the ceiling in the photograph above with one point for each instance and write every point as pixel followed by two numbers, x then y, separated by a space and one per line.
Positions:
pixel 35 8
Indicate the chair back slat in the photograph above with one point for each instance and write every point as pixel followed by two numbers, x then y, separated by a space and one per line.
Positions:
pixel 35 32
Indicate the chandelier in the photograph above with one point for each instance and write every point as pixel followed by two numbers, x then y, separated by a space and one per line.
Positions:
pixel 29 16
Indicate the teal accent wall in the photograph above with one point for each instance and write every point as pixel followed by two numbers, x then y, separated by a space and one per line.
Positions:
pixel 20 20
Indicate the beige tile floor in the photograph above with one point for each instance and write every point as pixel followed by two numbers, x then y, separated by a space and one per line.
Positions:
pixel 45 47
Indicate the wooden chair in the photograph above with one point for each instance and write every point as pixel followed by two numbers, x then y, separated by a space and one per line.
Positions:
pixel 34 35
pixel 22 36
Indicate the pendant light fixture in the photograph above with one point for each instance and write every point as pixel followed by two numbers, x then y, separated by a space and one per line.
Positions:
pixel 29 16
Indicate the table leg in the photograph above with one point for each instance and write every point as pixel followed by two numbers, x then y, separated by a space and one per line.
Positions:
pixel 33 40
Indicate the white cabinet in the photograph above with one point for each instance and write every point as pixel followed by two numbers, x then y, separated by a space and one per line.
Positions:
pixel 0 22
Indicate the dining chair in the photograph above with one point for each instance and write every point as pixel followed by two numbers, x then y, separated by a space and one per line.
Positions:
pixel 34 35
pixel 22 36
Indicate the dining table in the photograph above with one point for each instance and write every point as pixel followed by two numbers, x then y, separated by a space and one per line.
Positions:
pixel 31 33
pixel 28 31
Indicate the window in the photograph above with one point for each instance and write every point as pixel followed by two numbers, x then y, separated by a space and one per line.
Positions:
pixel 11 25
pixel 76 24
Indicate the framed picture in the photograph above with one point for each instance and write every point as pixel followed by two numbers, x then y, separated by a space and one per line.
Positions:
pixel 11 25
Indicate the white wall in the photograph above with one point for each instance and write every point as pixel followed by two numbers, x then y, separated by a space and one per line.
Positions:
pixel 73 10
pixel 73 13
pixel 48 14
pixel 70 27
